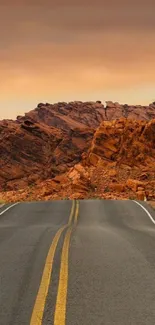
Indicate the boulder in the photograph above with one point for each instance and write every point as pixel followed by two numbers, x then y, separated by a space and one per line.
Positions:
pixel 116 187
pixel 140 195
pixel 134 184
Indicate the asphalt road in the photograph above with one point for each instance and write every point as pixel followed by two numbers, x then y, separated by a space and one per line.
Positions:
pixel 77 263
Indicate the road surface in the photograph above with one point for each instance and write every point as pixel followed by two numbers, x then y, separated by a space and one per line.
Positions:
pixel 77 263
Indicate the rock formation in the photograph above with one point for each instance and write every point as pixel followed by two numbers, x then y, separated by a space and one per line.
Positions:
pixel 77 150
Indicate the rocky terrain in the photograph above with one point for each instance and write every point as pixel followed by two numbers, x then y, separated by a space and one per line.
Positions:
pixel 79 150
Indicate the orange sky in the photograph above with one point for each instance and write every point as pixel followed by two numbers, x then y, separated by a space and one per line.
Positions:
pixel 89 50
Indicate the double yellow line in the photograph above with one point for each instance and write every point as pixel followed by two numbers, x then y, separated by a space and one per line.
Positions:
pixel 60 308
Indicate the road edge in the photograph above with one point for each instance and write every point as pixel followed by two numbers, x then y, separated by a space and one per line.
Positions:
pixel 147 212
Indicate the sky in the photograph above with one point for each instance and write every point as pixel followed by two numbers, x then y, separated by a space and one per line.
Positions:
pixel 57 50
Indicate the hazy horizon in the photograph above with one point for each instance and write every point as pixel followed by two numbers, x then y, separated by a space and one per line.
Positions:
pixel 51 52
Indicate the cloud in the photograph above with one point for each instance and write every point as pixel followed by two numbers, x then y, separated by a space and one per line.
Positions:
pixel 75 47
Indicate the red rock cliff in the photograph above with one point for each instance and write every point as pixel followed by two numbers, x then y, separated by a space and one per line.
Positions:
pixel 50 139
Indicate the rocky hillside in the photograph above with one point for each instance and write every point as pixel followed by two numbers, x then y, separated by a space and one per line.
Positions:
pixel 134 112
pixel 119 163
pixel 34 151
pixel 68 116
pixel 79 150
pixel 46 142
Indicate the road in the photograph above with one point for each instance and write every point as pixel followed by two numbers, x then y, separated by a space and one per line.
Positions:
pixel 81 262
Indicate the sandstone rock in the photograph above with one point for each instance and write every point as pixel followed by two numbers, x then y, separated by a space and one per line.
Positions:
pixel 117 187
pixel 134 112
pixel 93 159
pixel 139 188
pixel 134 184
pixel 140 195
pixel 143 176
pixel 112 173
pixel 77 148
pixel 69 116
pixel 40 105
pixel 125 167
pixel 30 148
pixel 125 141
pixel 47 191
pixel 114 180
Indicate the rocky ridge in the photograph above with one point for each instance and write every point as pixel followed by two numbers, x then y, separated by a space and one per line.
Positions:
pixel 79 150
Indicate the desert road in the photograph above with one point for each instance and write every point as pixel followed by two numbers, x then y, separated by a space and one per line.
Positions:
pixel 77 263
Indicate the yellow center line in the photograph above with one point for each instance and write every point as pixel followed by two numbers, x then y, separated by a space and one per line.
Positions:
pixel 60 309
pixel 76 213
pixel 71 214
pixel 38 310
